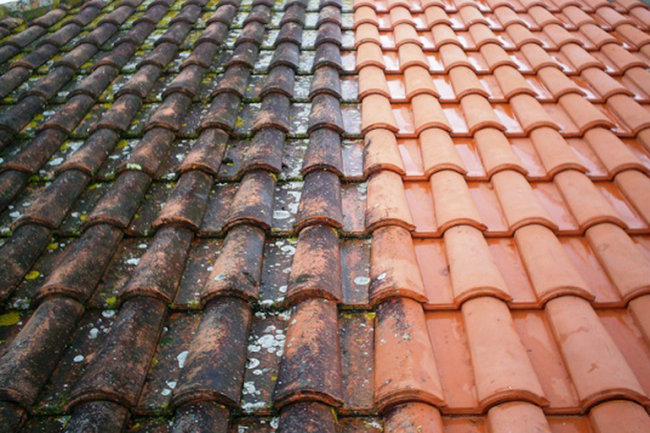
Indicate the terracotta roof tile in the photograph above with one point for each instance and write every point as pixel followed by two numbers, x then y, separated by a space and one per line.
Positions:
pixel 614 378
pixel 393 265
pixel 312 333
pixel 472 271
pixel 405 365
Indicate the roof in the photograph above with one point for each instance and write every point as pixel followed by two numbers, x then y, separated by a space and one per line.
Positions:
pixel 319 216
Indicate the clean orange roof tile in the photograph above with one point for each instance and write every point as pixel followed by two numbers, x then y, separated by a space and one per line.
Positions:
pixel 377 113
pixel 439 152
pixel 406 34
pixel 621 58
pixel 530 113
pixel 482 34
pixel 479 114
pixel 452 55
pixel 472 270
pixel 587 205
pixel 443 34
pixel 453 202
pixel 411 55
pixel 554 151
pixel 496 152
pixel 636 187
pixel 370 54
pixel 632 114
pixel 512 82
pixel 611 415
pixel 619 255
pixel 418 81
pixel 505 374
pixel 428 113
pixel 436 15
pixel 517 416
pixel 465 82
pixel 543 16
pixel 598 36
pixel 471 15
pixel 400 15
pixel 547 265
pixel 604 84
pixel 558 83
pixel 366 32
pixel 518 201
pixel 365 15
pixel 538 57
pixel 615 155
pixel 372 81
pixel 584 341
pixel 496 56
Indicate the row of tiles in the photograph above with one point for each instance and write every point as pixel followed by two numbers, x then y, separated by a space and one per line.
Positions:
pixel 526 271
pixel 621 6
pixel 569 205
pixel 535 18
pixel 552 38
pixel 481 60
pixel 446 359
pixel 572 116
pixel 415 159
pixel 449 88
pixel 468 40
pixel 620 416
pixel 517 119
pixel 599 153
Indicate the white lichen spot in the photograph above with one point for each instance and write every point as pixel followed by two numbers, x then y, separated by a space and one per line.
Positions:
pixel 108 313
pixel 251 407
pixel 133 261
pixel 79 358
pixel 92 334
pixel 281 214
pixel 249 389
pixel 182 357
pixel 362 281
pixel 290 249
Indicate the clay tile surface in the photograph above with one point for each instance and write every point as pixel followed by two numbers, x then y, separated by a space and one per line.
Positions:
pixel 328 216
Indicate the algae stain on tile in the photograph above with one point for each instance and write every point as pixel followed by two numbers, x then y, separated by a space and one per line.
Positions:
pixel 9 319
